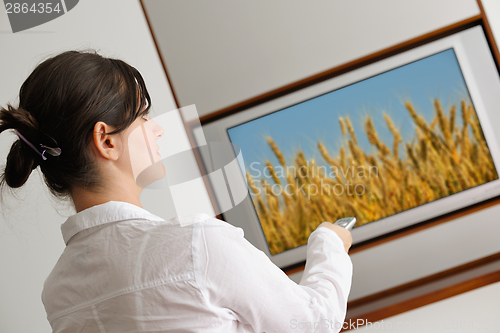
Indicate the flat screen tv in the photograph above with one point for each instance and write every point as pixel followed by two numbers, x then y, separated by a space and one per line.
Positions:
pixel 394 143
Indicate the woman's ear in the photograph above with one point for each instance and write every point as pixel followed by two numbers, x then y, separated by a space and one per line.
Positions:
pixel 108 146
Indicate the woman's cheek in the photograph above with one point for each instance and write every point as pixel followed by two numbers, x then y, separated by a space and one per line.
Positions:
pixel 139 154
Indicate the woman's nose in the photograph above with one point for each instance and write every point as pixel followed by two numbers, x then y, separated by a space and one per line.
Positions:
pixel 157 129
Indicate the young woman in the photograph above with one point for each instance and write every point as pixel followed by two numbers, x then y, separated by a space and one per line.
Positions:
pixel 83 119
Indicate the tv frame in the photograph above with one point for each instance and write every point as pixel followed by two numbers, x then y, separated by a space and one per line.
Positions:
pixel 479 71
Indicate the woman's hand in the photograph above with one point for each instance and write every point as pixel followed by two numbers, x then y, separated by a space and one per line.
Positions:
pixel 343 233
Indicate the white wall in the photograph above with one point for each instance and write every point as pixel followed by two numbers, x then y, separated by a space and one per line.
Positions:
pixel 471 312
pixel 30 236
pixel 492 10
pixel 224 52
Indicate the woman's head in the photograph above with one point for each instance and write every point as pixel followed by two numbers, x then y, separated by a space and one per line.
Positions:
pixel 59 105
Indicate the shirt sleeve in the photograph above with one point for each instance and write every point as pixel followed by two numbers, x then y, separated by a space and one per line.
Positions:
pixel 236 276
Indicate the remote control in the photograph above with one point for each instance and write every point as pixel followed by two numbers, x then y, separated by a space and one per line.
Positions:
pixel 346 222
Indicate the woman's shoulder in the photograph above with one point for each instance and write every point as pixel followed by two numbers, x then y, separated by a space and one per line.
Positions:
pixel 209 226
pixel 200 227
pixel 202 220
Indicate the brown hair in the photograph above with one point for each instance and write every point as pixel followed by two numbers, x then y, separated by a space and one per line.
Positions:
pixel 59 104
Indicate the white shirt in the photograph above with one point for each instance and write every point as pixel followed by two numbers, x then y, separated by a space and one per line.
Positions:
pixel 127 270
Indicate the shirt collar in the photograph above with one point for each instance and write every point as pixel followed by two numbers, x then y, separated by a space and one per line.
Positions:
pixel 110 211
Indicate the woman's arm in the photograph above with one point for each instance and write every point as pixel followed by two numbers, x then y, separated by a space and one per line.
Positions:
pixel 233 274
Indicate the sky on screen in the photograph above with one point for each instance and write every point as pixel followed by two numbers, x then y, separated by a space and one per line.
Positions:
pixel 301 126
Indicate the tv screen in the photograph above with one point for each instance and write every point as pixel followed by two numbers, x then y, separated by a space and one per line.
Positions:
pixel 393 143
pixel 375 148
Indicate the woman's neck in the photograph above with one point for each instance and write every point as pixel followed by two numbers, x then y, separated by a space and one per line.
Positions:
pixel 83 199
